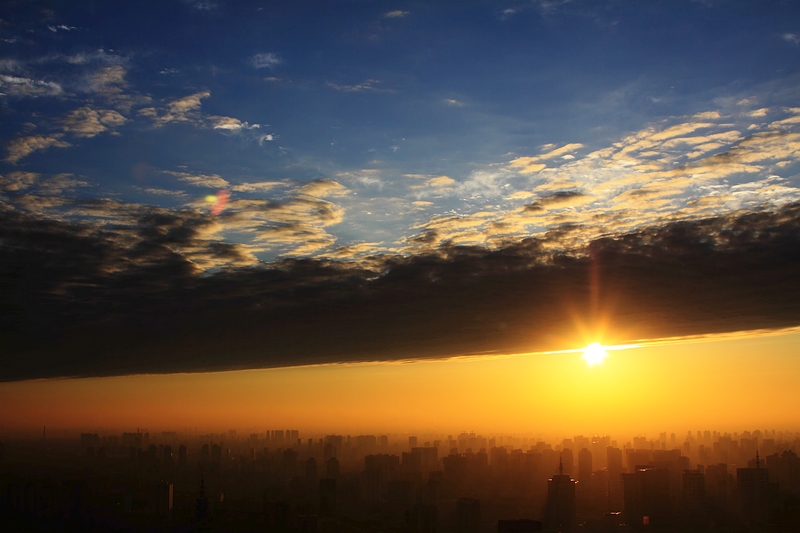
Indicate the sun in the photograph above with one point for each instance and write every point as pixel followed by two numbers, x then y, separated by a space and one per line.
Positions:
pixel 594 354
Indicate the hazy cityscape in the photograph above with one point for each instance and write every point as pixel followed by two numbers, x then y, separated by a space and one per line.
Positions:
pixel 286 481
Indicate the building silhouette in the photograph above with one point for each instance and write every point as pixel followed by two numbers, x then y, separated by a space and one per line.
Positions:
pixel 753 488
pixel 560 513
pixel 584 465
pixel 468 515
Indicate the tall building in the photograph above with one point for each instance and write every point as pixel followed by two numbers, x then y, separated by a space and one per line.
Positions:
pixel 202 507
pixel 311 471
pixel 518 526
pixel 694 490
pixel 327 497
pixel 646 496
pixel 615 470
pixel 161 503
pixel 182 455
pixel 567 461
pixel 468 515
pixel 332 468
pixel 753 488
pixel 584 465
pixel 560 510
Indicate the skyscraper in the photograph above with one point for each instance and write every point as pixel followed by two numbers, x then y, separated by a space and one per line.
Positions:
pixel 560 510
pixel 753 488
pixel 468 515
pixel 584 465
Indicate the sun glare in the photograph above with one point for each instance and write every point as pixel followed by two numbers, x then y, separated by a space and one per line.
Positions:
pixel 594 354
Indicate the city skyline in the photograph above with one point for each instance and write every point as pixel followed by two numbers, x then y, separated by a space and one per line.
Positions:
pixel 286 481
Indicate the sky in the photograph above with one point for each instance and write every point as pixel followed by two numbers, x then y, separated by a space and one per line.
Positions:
pixel 203 186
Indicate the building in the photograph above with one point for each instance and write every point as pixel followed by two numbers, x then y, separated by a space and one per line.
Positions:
pixel 327 497
pixel 753 489
pixel 560 510
pixel 646 496
pixel 584 465
pixel 161 502
pixel 518 526
pixel 694 490
pixel 468 515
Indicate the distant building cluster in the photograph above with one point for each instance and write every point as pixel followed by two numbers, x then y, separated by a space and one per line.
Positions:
pixel 276 481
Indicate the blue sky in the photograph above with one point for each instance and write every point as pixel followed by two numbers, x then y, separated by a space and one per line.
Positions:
pixel 405 118
pixel 418 150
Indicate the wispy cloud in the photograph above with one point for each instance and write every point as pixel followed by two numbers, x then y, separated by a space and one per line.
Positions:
pixel 88 122
pixel 203 6
pixel 24 146
pixel 27 87
pixel 453 102
pixel 365 86
pixel 230 124
pixel 268 60
pixel 258 186
pixel 396 14
pixel 61 27
pixel 534 164
pixel 98 56
pixel 791 38
pixel 164 192
pixel 211 181
pixel 18 181
pixel 322 188
pixel 110 85
pixel 186 109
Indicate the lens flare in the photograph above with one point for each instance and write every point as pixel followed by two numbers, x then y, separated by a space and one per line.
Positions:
pixel 218 202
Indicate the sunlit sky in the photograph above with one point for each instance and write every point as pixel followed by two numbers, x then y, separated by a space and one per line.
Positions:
pixel 199 186
pixel 729 383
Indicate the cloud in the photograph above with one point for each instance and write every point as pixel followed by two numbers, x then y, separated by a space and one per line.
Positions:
pixel 566 149
pixel 791 38
pixel 507 13
pixel 110 84
pixel 24 146
pixel 558 199
pixel 203 6
pixel 17 181
pixel 60 184
pixel 259 186
pixel 27 87
pixel 365 86
pixel 89 122
pixel 453 102
pixel 186 109
pixel 164 192
pixel 266 60
pixel 294 226
pixel 230 124
pixel 534 164
pixel 10 65
pixel 98 56
pixel 211 181
pixel 368 177
pixel 324 188
pixel 712 275
pixel 435 185
pixel 108 80
pixel 396 14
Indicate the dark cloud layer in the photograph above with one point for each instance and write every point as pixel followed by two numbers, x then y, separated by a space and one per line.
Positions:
pixel 77 300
